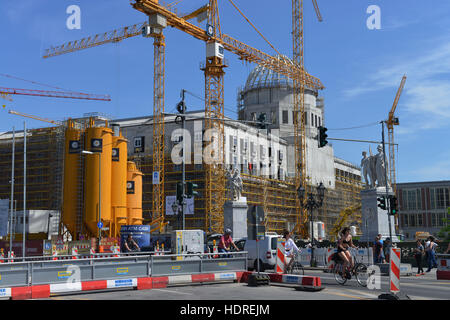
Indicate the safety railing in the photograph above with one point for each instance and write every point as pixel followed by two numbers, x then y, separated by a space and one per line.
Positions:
pixel 130 265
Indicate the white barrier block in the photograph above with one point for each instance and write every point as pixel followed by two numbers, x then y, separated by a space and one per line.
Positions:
pixel 65 287
pixel 5 292
pixel 180 279
pixel 225 276
pixel 121 283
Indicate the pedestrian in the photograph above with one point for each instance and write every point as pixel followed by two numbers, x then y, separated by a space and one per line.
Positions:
pixel 387 249
pixel 427 244
pixel 432 263
pixel 378 249
pixel 226 242
pixel 418 254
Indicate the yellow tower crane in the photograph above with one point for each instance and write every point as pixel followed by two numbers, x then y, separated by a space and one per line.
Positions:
pixel 390 123
pixel 160 17
pixel 299 111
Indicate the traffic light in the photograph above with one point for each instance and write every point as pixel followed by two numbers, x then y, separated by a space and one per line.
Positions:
pixel 382 203
pixel 322 137
pixel 179 192
pixel 191 189
pixel 393 205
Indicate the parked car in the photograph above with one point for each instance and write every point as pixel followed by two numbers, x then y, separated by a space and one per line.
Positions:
pixel 267 251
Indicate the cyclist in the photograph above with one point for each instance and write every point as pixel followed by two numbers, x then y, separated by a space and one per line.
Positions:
pixel 289 249
pixel 226 242
pixel 130 245
pixel 343 244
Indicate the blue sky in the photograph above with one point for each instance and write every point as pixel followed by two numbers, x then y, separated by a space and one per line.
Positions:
pixel 360 68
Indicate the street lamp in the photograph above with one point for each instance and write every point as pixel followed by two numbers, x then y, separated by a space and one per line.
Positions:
pixel 311 204
pixel 99 191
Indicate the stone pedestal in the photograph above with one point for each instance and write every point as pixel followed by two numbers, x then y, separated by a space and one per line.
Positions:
pixel 235 217
pixel 377 220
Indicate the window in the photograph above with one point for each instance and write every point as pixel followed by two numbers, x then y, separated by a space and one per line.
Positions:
pixel 320 122
pixel 316 119
pixel 412 220
pixel 439 198
pixel 419 220
pixel 312 119
pixel 285 117
pixel 411 199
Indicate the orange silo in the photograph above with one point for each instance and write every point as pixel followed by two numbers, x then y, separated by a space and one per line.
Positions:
pixel 118 182
pixel 98 177
pixel 72 192
pixel 134 194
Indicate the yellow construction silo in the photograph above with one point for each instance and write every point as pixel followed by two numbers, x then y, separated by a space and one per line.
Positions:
pixel 98 177
pixel 118 183
pixel 134 194
pixel 72 192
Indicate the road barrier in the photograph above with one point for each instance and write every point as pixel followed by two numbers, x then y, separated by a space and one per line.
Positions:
pixel 443 266
pixel 41 278
pixel 142 283
pixel 281 263
pixel 394 274
pixel 309 282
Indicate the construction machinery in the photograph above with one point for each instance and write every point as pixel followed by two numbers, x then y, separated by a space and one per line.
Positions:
pixel 159 17
pixel 343 217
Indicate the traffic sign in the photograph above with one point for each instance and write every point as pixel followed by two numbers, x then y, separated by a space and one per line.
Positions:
pixel 100 225
pixel 156 177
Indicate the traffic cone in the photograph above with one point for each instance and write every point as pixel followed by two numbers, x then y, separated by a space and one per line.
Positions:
pixel 215 249
pixel 116 251
pixel 162 249
pixel 12 256
pixel 157 249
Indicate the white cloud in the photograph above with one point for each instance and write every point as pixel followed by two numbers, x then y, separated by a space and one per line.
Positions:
pixel 426 95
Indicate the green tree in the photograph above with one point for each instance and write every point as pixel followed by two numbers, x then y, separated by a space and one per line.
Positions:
pixel 444 233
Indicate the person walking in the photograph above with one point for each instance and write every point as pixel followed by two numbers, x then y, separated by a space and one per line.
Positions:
pixel 418 254
pixel 432 263
pixel 378 250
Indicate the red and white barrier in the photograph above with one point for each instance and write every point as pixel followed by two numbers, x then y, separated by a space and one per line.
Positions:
pixel 330 261
pixel 394 274
pixel 44 291
pixel 443 268
pixel 281 261
pixel 304 281
pixel 74 253
pixel 2 257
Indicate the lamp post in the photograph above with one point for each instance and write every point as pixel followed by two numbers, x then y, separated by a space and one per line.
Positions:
pixel 311 204
pixel 99 190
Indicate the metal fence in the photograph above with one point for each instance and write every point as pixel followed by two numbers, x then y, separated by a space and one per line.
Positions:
pixel 126 266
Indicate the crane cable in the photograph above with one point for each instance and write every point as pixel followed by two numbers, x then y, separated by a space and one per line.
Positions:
pixel 254 27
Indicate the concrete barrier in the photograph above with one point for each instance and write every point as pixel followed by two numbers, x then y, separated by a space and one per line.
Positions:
pixel 47 290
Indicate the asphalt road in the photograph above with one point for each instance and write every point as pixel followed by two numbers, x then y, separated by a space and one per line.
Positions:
pixel 417 288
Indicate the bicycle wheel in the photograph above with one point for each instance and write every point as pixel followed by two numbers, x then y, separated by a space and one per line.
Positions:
pixel 339 274
pixel 297 268
pixel 361 274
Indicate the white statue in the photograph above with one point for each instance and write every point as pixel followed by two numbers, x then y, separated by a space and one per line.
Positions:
pixel 365 168
pixel 381 167
pixel 234 183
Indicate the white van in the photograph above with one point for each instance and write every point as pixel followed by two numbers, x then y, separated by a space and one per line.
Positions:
pixel 267 251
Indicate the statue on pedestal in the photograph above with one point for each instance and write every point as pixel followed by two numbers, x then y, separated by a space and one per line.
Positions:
pixel 374 167
pixel 234 184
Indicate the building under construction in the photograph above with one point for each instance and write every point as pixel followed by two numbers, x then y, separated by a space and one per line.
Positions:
pixel 265 158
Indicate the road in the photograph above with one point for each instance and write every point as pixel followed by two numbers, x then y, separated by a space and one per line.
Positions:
pixel 417 288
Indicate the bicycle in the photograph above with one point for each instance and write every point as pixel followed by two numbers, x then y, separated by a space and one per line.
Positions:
pixel 359 270
pixel 296 267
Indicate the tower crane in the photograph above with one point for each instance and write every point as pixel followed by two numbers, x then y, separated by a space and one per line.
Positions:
pixel 299 111
pixel 159 18
pixel 390 123
pixel 58 123
pixel 5 92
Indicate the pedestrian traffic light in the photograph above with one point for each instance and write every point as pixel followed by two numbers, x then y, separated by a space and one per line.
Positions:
pixel 179 192
pixel 393 205
pixel 382 203
pixel 322 137
pixel 191 189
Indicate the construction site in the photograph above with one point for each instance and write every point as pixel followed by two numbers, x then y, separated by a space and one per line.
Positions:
pixel 95 169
